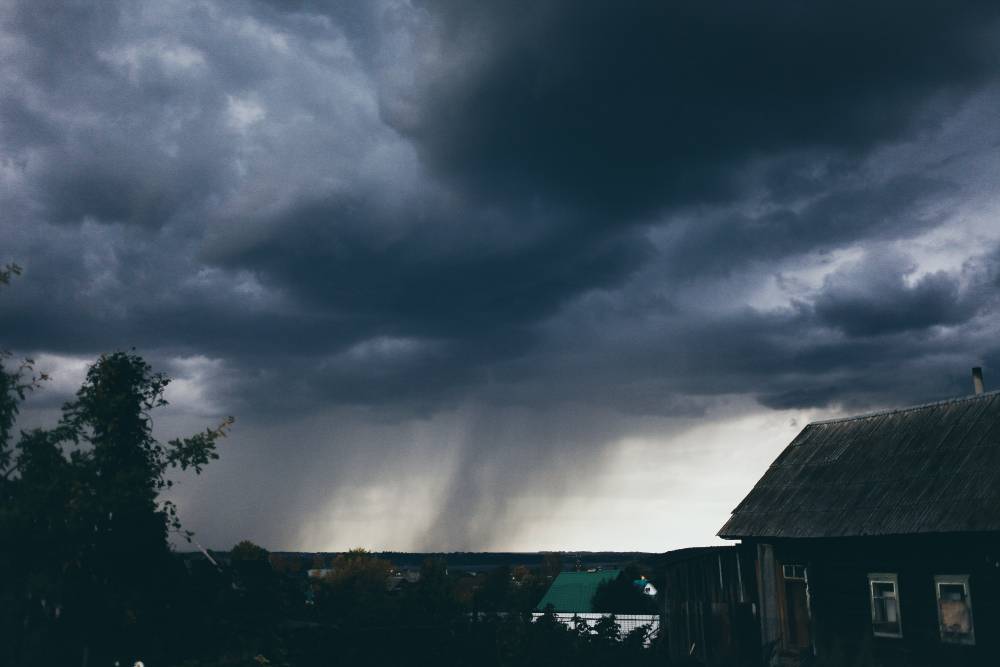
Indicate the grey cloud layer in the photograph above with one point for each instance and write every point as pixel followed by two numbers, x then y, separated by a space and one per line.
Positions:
pixel 406 207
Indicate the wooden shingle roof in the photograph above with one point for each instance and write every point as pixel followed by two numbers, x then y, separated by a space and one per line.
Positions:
pixel 932 468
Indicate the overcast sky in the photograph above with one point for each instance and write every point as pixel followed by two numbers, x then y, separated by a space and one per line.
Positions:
pixel 501 275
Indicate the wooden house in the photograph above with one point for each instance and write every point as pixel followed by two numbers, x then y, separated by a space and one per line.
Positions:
pixel 876 539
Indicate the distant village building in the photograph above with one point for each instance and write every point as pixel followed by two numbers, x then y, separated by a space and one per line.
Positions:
pixel 645 586
pixel 319 572
pixel 876 539
pixel 570 597
pixel 400 579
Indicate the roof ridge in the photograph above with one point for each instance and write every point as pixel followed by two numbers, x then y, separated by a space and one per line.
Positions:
pixel 910 408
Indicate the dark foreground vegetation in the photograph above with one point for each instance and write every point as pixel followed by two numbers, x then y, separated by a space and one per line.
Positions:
pixel 355 618
pixel 89 577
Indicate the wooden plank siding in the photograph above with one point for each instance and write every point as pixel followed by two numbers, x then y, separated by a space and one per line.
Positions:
pixel 840 603
pixel 711 606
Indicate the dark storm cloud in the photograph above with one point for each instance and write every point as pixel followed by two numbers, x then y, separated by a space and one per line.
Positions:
pixel 439 278
pixel 873 331
pixel 876 300
pixel 573 217
pixel 903 207
pixel 627 110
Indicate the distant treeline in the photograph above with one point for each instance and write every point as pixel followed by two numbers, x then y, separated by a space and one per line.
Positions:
pixel 477 560
pixel 444 617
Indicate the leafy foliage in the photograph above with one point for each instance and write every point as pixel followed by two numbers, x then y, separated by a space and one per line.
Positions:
pixel 248 552
pixel 622 596
pixel 127 464
pixel 82 524
pixel 354 593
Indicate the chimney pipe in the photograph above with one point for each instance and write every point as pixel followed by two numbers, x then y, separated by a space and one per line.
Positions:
pixel 977 380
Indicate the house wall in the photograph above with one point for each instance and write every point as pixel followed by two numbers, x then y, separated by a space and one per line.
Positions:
pixel 840 606
pixel 711 607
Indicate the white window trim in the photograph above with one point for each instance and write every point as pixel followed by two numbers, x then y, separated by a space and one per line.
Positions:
pixel 885 578
pixel 962 580
pixel 793 576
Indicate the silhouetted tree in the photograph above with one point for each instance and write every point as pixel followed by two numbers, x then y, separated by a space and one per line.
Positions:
pixel 495 593
pixel 354 593
pixel 622 596
pixel 246 551
pixel 434 598
pixel 83 530
pixel 552 565
pixel 254 605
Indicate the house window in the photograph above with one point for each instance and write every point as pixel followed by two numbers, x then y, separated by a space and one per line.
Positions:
pixel 954 604
pixel 884 591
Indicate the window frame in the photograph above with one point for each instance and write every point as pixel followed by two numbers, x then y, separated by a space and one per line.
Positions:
pixel 793 571
pixel 885 578
pixel 960 580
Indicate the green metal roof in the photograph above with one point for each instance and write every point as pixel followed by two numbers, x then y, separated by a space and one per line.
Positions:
pixel 572 591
